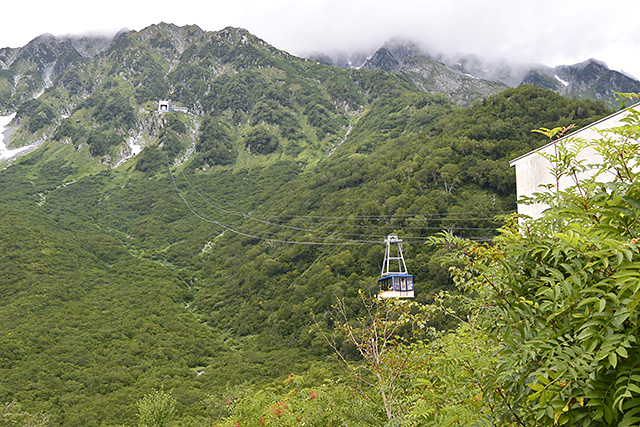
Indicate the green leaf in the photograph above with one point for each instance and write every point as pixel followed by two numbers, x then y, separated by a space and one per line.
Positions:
pixel 608 414
pixel 602 305
pixel 613 360
pixel 536 386
pixel 622 352
pixel 634 388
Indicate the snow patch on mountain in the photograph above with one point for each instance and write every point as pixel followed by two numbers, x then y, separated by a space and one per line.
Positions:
pixel 564 82
pixel 134 144
pixel 6 153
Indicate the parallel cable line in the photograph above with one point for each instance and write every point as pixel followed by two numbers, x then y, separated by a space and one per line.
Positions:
pixel 358 238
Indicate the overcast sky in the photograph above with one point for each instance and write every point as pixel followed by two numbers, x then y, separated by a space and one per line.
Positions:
pixel 551 32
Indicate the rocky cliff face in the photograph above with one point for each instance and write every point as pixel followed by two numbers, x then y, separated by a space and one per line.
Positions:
pixel 392 56
pixel 27 71
pixel 591 79
pixel 429 74
pixel 98 95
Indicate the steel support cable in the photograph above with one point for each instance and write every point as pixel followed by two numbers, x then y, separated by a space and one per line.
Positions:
pixel 329 241
pixel 209 202
pixel 375 217
pixel 332 239
pixel 233 230
pixel 260 220
pixel 245 215
pixel 388 225
pixel 343 242
pixel 379 225
pixel 417 239
pixel 432 216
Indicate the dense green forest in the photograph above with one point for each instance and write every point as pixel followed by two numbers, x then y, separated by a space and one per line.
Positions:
pixel 217 276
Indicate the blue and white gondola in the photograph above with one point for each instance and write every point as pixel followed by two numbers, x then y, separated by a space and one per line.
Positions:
pixel 395 284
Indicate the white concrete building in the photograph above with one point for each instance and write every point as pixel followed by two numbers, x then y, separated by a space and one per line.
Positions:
pixel 167 107
pixel 533 170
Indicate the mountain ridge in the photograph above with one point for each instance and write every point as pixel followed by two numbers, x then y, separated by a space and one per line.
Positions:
pixel 107 102
pixel 31 69
pixel 588 79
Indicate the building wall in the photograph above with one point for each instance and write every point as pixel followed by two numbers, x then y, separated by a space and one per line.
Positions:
pixel 533 170
pixel 164 106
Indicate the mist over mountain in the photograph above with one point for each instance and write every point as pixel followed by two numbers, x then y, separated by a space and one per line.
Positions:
pixel 590 79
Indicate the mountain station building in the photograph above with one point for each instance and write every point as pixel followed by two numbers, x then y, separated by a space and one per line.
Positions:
pixel 166 107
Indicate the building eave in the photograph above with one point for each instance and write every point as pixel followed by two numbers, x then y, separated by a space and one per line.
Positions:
pixel 573 134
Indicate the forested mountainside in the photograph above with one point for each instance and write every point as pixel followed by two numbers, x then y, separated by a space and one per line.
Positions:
pixel 195 265
pixel 265 97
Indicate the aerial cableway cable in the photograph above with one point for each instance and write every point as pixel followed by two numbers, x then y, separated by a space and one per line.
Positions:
pixel 375 217
pixel 355 238
pixel 327 242
pixel 450 216
pixel 352 236
pixel 333 241
pixel 465 216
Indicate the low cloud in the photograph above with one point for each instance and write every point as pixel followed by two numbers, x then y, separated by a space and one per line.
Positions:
pixel 543 31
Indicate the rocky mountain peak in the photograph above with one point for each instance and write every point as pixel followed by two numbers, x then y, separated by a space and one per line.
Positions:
pixel 172 40
pixel 235 35
pixel 383 59
pixel 403 49
pixel 392 55
pixel 592 63
pixel 589 79
pixel 90 46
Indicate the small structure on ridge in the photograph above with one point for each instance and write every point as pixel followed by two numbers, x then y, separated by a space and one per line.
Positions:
pixel 166 107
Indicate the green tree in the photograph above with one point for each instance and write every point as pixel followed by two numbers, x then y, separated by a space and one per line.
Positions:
pixel 447 374
pixel 381 367
pixel 157 409
pixel 12 414
pixel 151 159
pixel 260 140
pixel 100 142
pixel 214 143
pixel 561 294
pixel 296 403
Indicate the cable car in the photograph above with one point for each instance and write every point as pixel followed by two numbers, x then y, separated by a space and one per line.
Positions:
pixel 394 284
